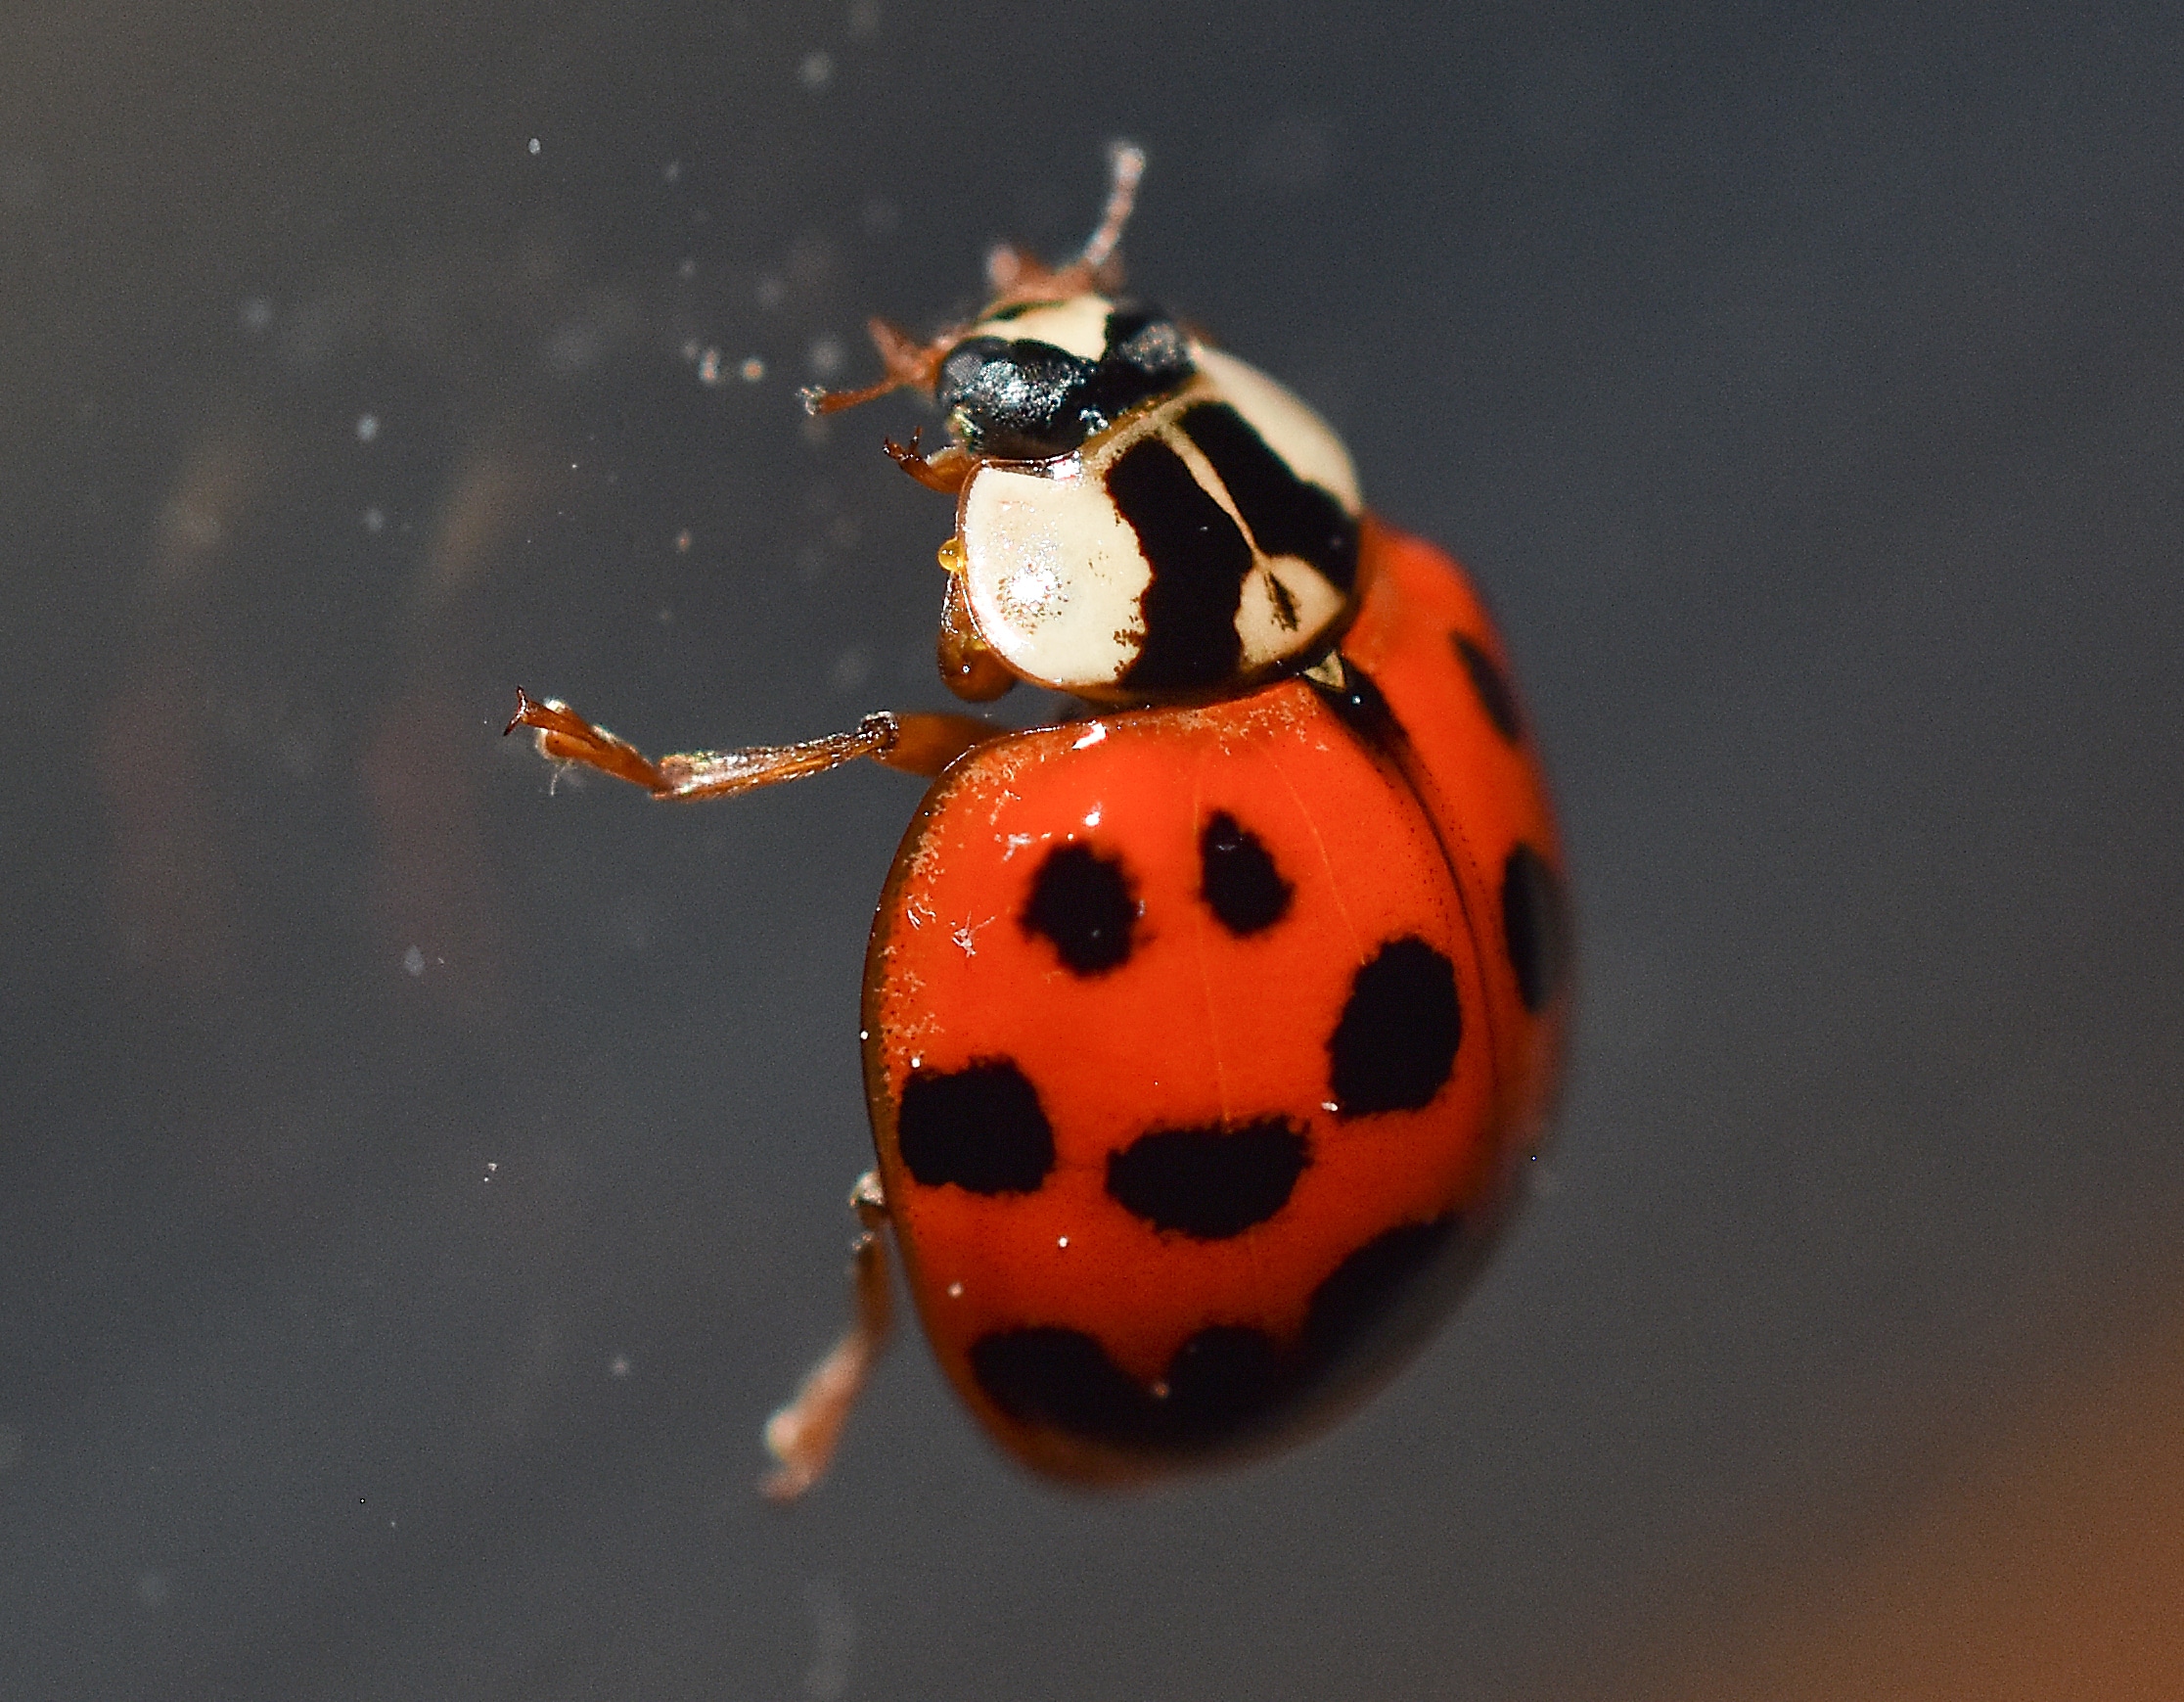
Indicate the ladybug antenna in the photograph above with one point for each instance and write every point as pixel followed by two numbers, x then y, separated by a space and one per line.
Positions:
pixel 908 361
pixel 1125 165
pixel 1016 277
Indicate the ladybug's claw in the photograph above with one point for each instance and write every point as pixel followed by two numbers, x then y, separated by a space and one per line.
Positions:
pixel 565 736
pixel 945 472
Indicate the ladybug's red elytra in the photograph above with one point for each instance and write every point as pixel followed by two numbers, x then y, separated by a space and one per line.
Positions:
pixel 1205 1032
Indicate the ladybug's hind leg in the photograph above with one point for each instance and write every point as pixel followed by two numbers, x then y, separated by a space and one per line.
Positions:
pixel 802 1435
pixel 918 744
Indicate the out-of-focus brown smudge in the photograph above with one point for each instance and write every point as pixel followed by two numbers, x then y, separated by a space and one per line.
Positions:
pixel 2048 1567
pixel 434 893
pixel 433 890
pixel 174 889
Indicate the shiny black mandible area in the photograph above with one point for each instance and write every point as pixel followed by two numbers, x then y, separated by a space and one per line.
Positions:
pixel 1019 399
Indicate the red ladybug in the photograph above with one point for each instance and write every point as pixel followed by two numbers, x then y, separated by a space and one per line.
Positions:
pixel 1204 1033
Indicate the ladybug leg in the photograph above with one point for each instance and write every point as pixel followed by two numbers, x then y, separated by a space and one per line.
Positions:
pixel 917 744
pixel 801 1436
pixel 969 665
pixel 946 471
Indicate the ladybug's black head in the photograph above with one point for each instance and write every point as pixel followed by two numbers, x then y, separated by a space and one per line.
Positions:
pixel 1022 398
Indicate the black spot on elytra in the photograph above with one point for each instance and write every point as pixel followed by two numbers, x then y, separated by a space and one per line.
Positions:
pixel 1221 1385
pixel 1199 560
pixel 1227 1383
pixel 1535 924
pixel 1222 1381
pixel 1288 516
pixel 1238 878
pixel 1209 1183
pixel 1366 1290
pixel 1083 904
pixel 1495 694
pixel 1363 709
pixel 980 1128
pixel 1045 1374
pixel 1396 1043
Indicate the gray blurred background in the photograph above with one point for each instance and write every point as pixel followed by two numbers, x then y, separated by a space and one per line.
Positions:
pixel 416 1186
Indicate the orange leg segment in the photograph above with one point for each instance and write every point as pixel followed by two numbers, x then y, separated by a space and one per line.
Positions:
pixel 802 1435
pixel 946 471
pixel 917 744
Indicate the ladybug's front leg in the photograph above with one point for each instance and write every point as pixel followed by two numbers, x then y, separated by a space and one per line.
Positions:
pixel 946 470
pixel 918 744
pixel 802 1435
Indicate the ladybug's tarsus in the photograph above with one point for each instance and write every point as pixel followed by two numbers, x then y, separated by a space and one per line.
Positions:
pixel 946 471
pixel 565 736
pixel 916 744
pixel 804 1434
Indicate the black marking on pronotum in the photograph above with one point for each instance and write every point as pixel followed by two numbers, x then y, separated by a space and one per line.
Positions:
pixel 1209 1183
pixel 980 1128
pixel 1199 561
pixel 1287 515
pixel 1396 1043
pixel 1083 904
pixel 1141 335
pixel 1227 1383
pixel 1237 879
pixel 1536 926
pixel 1495 694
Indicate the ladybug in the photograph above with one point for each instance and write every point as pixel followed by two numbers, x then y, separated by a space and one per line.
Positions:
pixel 1206 1031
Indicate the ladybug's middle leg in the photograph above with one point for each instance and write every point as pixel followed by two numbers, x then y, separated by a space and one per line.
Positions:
pixel 802 1435
pixel 918 744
